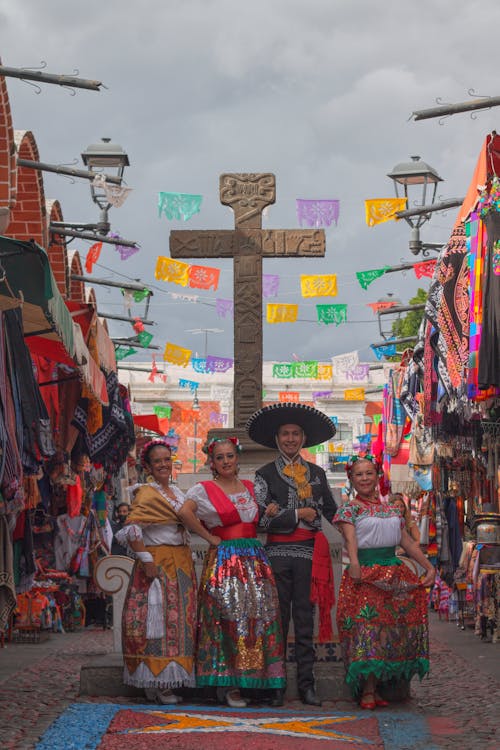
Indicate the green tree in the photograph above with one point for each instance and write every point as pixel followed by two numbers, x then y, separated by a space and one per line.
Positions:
pixel 408 325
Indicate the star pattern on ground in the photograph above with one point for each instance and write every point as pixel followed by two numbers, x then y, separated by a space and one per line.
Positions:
pixel 307 727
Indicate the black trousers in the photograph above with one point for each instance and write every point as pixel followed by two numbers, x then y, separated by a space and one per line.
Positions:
pixel 293 581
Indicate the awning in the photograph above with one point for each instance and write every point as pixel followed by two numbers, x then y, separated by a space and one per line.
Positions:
pixel 26 280
pixel 152 423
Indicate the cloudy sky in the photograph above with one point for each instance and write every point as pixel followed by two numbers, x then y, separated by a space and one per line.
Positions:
pixel 319 92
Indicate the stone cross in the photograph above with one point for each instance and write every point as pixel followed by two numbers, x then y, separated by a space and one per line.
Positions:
pixel 248 243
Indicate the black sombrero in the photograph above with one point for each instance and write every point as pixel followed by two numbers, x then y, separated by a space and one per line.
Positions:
pixel 263 426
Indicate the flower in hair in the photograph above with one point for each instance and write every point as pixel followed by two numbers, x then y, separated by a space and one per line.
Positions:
pixel 209 449
pixel 152 444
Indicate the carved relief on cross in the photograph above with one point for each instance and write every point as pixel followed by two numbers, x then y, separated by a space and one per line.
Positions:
pixel 248 243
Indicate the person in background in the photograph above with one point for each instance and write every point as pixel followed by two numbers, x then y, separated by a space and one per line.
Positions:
pixel 382 608
pixel 121 515
pixel 240 644
pixel 398 501
pixel 293 495
pixel 159 614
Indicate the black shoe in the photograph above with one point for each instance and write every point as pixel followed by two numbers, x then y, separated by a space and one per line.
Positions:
pixel 309 696
pixel 278 698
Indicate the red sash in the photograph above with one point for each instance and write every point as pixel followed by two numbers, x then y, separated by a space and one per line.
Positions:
pixel 299 535
pixel 232 525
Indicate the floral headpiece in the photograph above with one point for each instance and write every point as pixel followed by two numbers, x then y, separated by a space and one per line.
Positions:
pixel 362 457
pixel 152 444
pixel 209 448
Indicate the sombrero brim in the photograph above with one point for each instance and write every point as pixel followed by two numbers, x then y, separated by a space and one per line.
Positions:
pixel 263 426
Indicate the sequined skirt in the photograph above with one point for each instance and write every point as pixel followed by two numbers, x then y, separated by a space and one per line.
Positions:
pixel 382 623
pixel 240 642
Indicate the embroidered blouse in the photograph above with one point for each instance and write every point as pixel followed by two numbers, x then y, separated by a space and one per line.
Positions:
pixel 376 525
pixel 205 511
pixel 155 534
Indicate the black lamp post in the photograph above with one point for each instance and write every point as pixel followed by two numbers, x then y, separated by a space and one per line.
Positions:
pixel 104 158
pixel 417 182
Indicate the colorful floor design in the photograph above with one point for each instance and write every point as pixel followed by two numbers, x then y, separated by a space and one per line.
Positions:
pixel 113 727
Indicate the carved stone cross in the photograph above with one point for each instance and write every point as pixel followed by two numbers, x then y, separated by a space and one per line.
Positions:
pixel 248 243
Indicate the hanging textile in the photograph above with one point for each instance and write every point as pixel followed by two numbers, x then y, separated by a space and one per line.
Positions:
pixel 489 347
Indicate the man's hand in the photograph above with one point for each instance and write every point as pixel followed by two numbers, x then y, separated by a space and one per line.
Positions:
pixel 272 510
pixel 307 514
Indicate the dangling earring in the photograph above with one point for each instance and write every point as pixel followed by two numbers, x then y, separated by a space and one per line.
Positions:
pixel 150 479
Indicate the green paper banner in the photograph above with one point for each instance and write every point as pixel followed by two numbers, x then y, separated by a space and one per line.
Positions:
pixel 377 418
pixel 121 352
pixel 283 370
pixel 365 278
pixel 144 338
pixel 332 314
pixel 162 411
pixel 305 369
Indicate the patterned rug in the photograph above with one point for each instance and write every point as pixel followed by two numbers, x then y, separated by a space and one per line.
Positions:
pixel 85 726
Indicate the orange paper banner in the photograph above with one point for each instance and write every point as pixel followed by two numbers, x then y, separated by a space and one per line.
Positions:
pixel 204 277
pixel 354 394
pixel 289 397
pixel 175 271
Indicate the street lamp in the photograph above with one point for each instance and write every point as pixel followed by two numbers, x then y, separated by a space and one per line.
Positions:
pixel 411 181
pixel 390 316
pixel 195 407
pixel 104 158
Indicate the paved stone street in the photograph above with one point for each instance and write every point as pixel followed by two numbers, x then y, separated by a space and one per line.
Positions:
pixel 456 707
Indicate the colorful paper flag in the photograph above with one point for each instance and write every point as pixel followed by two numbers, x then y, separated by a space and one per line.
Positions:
pixel 376 306
pixel 426 268
pixel 168 269
pixel 177 355
pixel 332 314
pixel 378 210
pixel 305 369
pixel 191 384
pixel 218 364
pixel 365 278
pixel 281 313
pixel 317 213
pixel 377 418
pixel 203 277
pixel 179 205
pixel 139 295
pixel 270 285
pixel 289 397
pixel 224 307
pixel 325 372
pixel 283 370
pixel 322 285
pixel 354 394
pixel 163 412
pixel 144 338
pixel 92 256
pixel 122 351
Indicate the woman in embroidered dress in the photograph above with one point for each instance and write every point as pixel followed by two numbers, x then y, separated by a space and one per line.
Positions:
pixel 240 644
pixel 382 610
pixel 159 615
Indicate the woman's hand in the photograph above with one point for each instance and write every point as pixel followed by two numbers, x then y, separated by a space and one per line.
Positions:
pixel 150 569
pixel 354 571
pixel 272 510
pixel 214 540
pixel 429 577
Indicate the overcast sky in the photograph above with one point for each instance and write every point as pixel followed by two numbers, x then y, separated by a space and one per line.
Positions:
pixel 319 92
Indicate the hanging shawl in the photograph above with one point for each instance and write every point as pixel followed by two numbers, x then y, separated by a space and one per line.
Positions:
pixel 447 309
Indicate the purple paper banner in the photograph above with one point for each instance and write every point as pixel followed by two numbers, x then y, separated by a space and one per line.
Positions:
pixel 318 213
pixel 321 394
pixel 270 285
pixel 224 307
pixel 218 364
